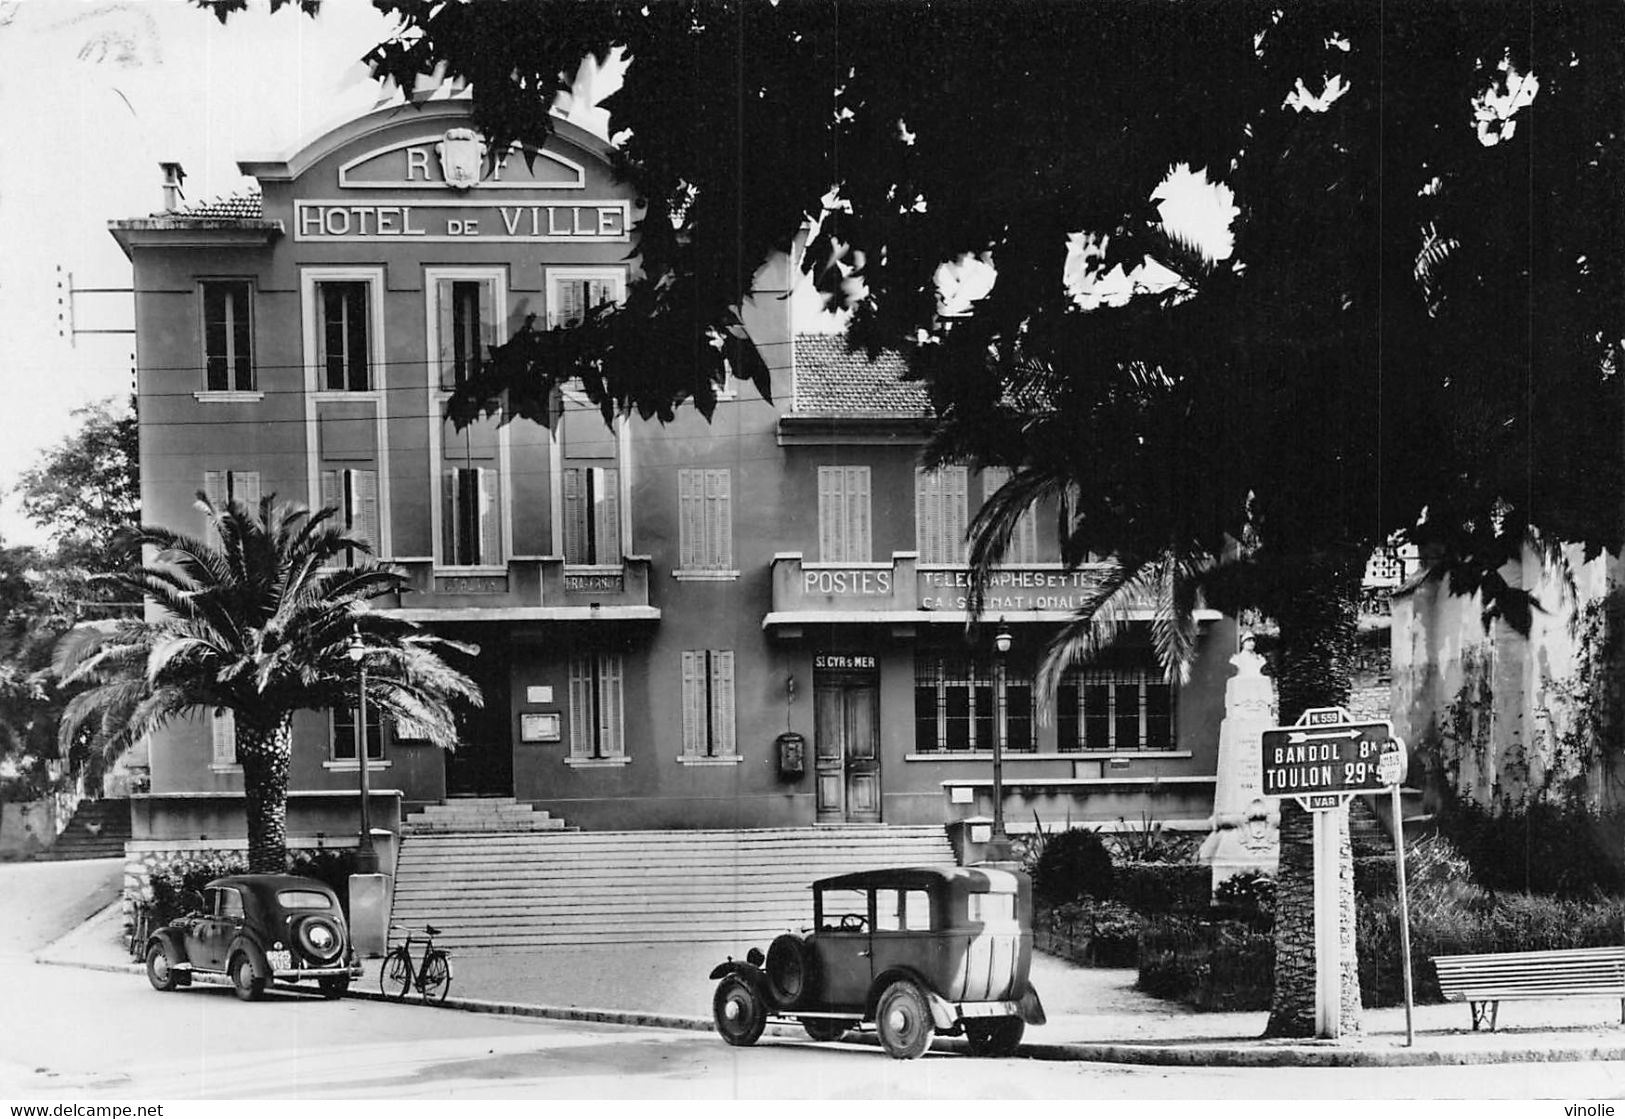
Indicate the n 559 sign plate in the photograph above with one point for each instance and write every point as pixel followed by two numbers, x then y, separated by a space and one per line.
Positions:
pixel 1325 757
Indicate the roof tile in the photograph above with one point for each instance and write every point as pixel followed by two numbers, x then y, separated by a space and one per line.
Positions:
pixel 832 380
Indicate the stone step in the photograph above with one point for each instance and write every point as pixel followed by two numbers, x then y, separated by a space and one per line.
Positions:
pixel 513 891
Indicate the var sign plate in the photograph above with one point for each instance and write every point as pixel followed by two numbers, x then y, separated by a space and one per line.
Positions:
pixel 1326 752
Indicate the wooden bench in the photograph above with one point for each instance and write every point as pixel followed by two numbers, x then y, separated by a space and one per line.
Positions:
pixel 1482 981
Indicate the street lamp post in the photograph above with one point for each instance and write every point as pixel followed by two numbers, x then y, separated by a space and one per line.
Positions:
pixel 366 856
pixel 1001 644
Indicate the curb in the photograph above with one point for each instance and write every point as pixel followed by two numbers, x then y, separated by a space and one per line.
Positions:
pixel 1257 1054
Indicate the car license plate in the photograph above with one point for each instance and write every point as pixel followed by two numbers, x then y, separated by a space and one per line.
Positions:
pixel 280 959
pixel 987 1009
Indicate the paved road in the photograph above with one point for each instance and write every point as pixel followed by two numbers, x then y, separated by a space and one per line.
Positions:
pixel 115 1038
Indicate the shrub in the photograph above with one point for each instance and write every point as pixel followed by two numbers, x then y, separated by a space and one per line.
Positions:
pixel 1073 864
pixel 1211 965
pixel 1248 897
pixel 1101 933
pixel 168 883
pixel 1150 843
pixel 1565 849
pixel 1156 888
pixel 1509 923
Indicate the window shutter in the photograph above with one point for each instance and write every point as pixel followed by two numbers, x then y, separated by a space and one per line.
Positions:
pixel 689 520
pixel 829 513
pixel 581 713
pixel 575 516
pixel 332 495
pixel 223 730
pixel 598 291
pixel 572 298
pixel 722 556
pixel 245 487
pixel 450 508
pixel 214 487
pixel 363 486
pixel 925 516
pixel 609 518
pixel 956 501
pixel 693 702
pixel 857 503
pixel 490 517
pixel 711 549
pixel 446 324
pixel 609 704
pixel 722 703
pixel 491 319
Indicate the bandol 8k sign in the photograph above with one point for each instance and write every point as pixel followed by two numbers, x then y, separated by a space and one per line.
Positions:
pixel 1327 755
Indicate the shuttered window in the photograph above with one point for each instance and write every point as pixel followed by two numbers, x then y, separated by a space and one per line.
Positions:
pixel 342 344
pixel 1114 708
pixel 843 514
pixel 705 519
pixel 222 487
pixel 1024 541
pixel 940 514
pixel 228 335
pixel 573 297
pixel 223 734
pixel 470 520
pixel 595 706
pixel 708 703
pixel 466 321
pixel 354 496
pixel 592 515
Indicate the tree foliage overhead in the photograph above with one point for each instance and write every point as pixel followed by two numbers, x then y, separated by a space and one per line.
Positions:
pixel 87 489
pixel 1420 318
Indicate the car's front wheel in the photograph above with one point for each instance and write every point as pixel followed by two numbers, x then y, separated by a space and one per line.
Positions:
pixel 333 986
pixel 903 1019
pixel 161 971
pixel 244 982
pixel 740 1014
pixel 994 1037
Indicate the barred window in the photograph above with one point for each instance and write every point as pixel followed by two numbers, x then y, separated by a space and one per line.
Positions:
pixel 1114 709
pixel 956 704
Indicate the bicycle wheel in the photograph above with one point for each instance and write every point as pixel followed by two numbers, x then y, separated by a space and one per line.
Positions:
pixel 436 976
pixel 395 974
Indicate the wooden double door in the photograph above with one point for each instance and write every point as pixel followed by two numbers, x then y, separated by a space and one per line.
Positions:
pixel 846 747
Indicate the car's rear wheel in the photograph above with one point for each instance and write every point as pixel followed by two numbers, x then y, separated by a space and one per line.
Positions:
pixel 161 971
pixel 994 1037
pixel 789 970
pixel 334 986
pixel 740 1014
pixel 903 1019
pixel 827 1029
pixel 244 982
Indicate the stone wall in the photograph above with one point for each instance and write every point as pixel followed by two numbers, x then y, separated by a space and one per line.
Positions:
pixel 1500 718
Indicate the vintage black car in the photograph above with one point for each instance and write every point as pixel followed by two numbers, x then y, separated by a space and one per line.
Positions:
pixel 913 950
pixel 253 928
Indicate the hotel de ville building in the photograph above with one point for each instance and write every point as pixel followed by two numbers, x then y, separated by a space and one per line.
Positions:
pixel 756 621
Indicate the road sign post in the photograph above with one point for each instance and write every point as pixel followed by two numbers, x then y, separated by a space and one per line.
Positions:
pixel 1321 761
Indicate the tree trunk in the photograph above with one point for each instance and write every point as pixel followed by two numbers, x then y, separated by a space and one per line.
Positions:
pixel 264 748
pixel 1318 627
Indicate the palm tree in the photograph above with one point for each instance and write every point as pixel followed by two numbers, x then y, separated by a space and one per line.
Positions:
pixel 255 621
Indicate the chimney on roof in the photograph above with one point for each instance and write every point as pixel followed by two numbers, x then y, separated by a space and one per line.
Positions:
pixel 174 176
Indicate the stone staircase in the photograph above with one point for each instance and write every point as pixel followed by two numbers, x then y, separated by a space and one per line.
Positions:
pixel 97 831
pixel 490 892
pixel 1367 833
pixel 481 814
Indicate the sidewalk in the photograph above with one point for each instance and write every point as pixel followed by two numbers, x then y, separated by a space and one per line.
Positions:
pixel 1094 1013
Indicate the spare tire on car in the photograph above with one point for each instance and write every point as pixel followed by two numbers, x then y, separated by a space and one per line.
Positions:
pixel 790 970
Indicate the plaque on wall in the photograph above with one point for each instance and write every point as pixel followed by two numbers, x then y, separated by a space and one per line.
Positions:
pixel 539 726
pixel 606 581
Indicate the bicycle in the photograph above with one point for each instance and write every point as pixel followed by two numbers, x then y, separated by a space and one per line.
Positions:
pixel 432 978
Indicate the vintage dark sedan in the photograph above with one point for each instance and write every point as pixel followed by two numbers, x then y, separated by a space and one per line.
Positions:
pixel 253 928
pixel 913 950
